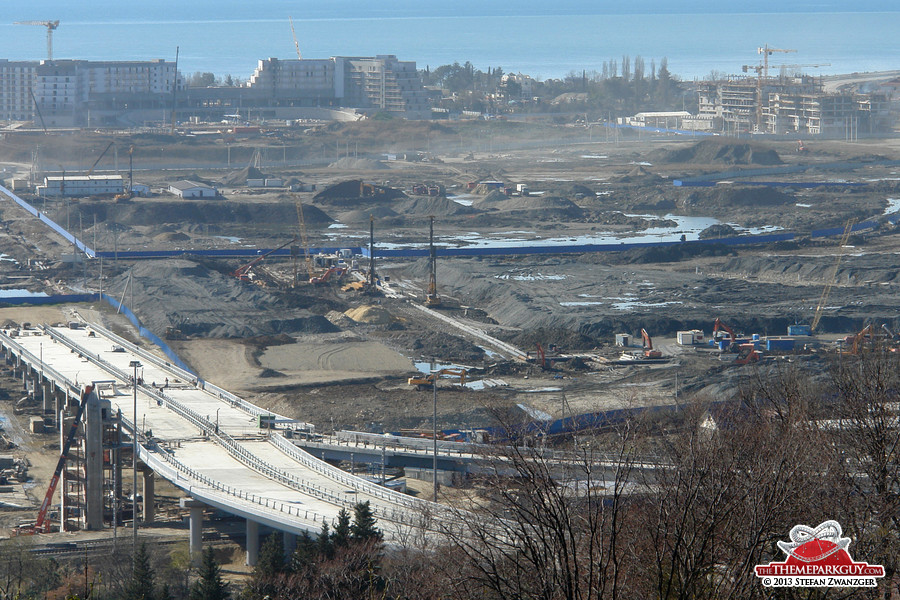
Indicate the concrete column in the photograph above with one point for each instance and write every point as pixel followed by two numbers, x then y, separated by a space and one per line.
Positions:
pixel 252 543
pixel 196 527
pixel 148 490
pixel 45 406
pixel 290 544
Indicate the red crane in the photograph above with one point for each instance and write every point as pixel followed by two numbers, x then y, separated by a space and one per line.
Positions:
pixel 39 526
pixel 243 272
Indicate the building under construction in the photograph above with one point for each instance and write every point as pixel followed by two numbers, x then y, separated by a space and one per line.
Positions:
pixel 790 105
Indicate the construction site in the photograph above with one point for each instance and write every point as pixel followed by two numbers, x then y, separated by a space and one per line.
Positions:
pixel 414 280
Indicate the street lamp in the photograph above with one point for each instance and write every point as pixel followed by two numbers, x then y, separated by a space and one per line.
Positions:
pixel 134 454
pixel 434 378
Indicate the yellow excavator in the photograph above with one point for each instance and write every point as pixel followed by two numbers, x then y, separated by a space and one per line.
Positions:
pixel 425 382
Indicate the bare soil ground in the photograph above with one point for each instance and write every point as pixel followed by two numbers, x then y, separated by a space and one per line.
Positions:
pixel 351 375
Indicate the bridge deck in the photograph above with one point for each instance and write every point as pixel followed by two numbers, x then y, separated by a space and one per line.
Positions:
pixel 205 442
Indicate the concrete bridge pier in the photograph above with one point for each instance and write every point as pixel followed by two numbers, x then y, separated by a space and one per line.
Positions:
pixel 148 490
pixel 290 544
pixel 196 527
pixel 252 543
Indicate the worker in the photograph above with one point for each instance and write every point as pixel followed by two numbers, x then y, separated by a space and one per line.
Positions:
pixel 167 384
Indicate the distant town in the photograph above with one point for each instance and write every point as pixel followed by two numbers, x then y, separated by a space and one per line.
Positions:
pixel 117 94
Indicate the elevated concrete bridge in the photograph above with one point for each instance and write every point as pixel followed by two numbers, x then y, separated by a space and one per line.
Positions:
pixel 205 440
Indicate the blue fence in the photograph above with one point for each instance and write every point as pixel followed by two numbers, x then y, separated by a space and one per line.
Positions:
pixel 800 184
pixel 49 222
pixel 146 333
pixel 119 306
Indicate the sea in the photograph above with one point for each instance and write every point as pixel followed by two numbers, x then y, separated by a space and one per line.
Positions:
pixel 544 39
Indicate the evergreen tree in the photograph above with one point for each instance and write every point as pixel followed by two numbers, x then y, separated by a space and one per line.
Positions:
pixel 305 553
pixel 165 593
pixel 210 585
pixel 363 528
pixel 324 546
pixel 271 557
pixel 142 577
pixel 341 535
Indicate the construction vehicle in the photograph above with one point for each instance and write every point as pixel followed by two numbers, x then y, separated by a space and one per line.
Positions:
pixel 747 354
pixel 368 190
pixel 333 272
pixel 649 352
pixel 425 382
pixel 96 162
pixel 720 325
pixel 432 300
pixel 128 194
pixel 173 333
pixel 856 341
pixel 243 272
pixel 848 229
pixel 42 525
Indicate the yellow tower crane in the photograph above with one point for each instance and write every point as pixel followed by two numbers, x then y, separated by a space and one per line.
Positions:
pixel 767 52
pixel 51 26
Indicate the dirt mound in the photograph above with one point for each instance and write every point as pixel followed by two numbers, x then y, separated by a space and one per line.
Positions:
pixel 719 230
pixel 719 152
pixel 428 206
pixel 548 207
pixel 358 164
pixel 752 196
pixel 494 196
pixel 172 236
pixel 370 315
pixel 355 190
pixel 639 175
pixel 362 215
pixel 571 190
pixel 241 177
pixel 179 212
pixel 203 302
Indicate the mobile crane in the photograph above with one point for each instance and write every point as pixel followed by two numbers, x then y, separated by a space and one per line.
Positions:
pixel 41 525
pixel 243 272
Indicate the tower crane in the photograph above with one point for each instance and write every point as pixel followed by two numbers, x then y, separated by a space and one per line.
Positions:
pixel 50 25
pixel 762 72
pixel 767 52
pixel 294 33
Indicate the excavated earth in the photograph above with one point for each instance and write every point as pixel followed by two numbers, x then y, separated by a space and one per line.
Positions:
pixel 289 347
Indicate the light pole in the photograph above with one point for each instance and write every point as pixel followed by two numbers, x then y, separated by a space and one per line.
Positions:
pixel 434 378
pixel 134 455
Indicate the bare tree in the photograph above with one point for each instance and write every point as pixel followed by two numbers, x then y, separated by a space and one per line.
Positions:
pixel 549 525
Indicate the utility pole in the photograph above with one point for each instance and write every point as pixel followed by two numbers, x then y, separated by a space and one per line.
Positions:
pixel 134 457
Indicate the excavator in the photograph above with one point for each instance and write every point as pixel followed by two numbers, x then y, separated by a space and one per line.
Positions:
pixel 42 525
pixel 243 272
pixel 748 354
pixel 720 325
pixel 425 382
pixel 332 272
pixel 649 352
